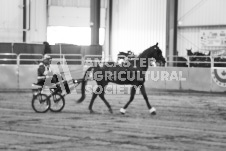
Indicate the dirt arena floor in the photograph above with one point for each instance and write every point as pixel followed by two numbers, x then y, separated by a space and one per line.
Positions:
pixel 184 121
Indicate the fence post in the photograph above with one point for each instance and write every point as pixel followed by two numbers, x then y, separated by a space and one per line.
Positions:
pixel 212 62
pixel 18 71
pixel 188 61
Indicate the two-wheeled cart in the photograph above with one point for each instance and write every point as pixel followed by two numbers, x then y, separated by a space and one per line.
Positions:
pixel 55 101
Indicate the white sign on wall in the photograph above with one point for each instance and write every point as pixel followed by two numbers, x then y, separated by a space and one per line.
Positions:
pixel 213 38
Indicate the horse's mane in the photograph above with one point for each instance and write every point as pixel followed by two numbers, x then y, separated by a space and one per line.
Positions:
pixel 146 52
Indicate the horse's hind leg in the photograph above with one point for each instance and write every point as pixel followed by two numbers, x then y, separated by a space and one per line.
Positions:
pixel 133 91
pixel 151 109
pixel 99 91
pixel 92 101
pixel 106 102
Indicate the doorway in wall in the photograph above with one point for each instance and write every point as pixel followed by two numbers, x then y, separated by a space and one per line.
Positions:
pixel 72 35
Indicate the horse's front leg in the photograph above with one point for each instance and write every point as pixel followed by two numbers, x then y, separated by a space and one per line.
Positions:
pixel 152 110
pixel 132 93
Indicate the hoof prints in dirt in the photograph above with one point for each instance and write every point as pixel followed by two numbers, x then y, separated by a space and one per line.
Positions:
pixel 179 125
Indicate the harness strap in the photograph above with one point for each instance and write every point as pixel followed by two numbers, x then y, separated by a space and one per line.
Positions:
pixel 41 77
pixel 44 77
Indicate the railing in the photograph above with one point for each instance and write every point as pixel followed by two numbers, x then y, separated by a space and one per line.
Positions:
pixel 73 59
pixel 93 57
pixel 90 59
pixel 77 59
pixel 208 62
pixel 58 58
pixel 216 63
pixel 31 59
pixel 8 58
pixel 25 58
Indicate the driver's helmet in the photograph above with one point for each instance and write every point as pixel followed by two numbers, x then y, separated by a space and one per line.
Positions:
pixel 46 57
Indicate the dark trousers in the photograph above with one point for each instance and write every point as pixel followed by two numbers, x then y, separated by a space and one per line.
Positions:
pixel 55 80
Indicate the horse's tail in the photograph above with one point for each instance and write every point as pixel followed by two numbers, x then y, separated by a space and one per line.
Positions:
pixel 84 82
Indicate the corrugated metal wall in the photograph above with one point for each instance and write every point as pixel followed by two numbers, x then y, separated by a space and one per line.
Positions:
pixel 11 20
pixel 138 24
pixel 201 12
pixel 196 15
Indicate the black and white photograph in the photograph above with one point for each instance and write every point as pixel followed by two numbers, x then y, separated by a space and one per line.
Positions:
pixel 112 75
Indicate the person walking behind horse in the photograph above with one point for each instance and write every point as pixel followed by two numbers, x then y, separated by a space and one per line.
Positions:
pixel 47 48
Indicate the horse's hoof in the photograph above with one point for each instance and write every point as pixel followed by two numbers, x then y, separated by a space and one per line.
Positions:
pixel 152 111
pixel 110 110
pixel 122 111
pixel 91 112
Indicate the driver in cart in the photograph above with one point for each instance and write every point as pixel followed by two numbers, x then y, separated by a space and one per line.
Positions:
pixel 47 77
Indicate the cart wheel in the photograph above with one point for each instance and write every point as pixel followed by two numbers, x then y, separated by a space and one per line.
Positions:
pixel 57 103
pixel 40 103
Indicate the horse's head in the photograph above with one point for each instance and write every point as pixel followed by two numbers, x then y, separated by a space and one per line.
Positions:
pixel 189 52
pixel 158 55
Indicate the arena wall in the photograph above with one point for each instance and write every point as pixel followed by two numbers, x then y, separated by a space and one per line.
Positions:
pixel 192 79
pixel 179 79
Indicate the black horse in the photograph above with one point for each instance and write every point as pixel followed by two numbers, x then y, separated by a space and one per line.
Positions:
pixel 190 53
pixel 116 73
pixel 198 59
pixel 181 62
pixel 220 61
